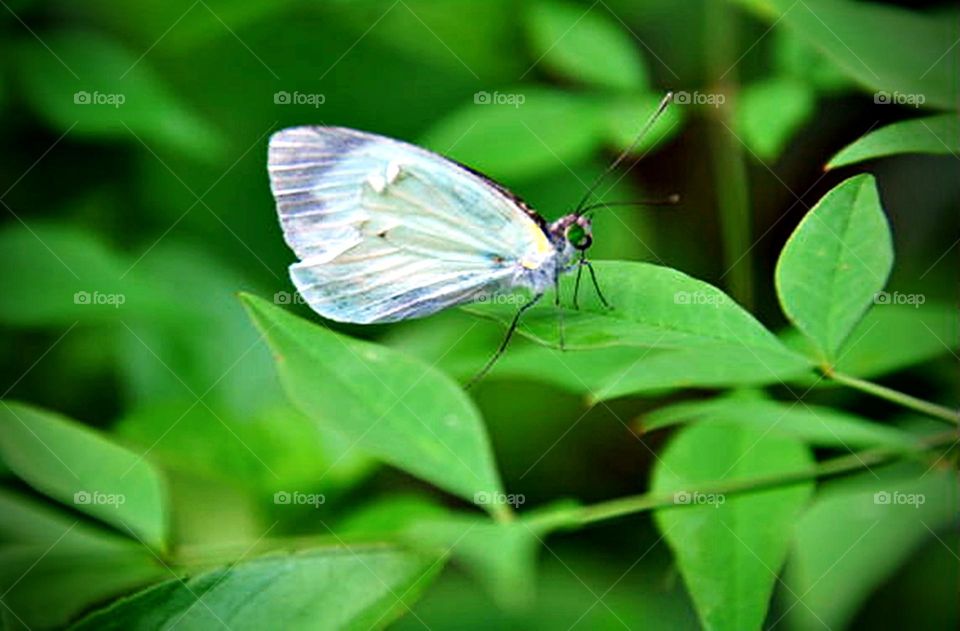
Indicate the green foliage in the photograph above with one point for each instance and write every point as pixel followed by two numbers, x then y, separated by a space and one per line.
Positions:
pixel 249 440
pixel 933 134
pixel 391 406
pixel 769 113
pixel 834 264
pixel 729 549
pixel 75 466
pixel 358 588
pixel 585 45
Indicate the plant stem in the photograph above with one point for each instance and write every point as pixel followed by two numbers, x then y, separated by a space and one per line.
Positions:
pixel 583 515
pixel 727 156
pixel 937 411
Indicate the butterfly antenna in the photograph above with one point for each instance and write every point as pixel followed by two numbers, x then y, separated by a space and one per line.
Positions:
pixel 670 200
pixel 623 154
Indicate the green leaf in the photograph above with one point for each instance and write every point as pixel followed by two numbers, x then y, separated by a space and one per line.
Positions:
pixel 654 307
pixel 519 132
pixel 48 552
pixel 815 425
pixel 729 549
pixel 855 36
pixel 890 338
pixel 341 588
pixel 858 532
pixel 770 112
pixel 834 263
pixel 80 468
pixel 586 44
pixel 934 134
pixel 92 86
pixel 392 406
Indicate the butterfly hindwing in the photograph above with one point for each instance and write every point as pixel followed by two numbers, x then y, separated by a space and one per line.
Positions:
pixel 387 231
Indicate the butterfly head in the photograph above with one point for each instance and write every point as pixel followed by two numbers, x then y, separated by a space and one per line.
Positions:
pixel 573 230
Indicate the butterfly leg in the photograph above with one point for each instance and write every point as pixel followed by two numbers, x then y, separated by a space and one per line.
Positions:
pixel 503 345
pixel 556 302
pixel 596 285
pixel 576 284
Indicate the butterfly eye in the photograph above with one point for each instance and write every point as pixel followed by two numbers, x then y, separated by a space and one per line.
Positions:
pixel 578 237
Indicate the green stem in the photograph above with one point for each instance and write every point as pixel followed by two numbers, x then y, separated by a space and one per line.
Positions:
pixel 727 155
pixel 937 411
pixel 583 515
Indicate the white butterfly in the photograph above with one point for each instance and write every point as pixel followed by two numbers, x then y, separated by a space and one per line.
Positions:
pixel 388 231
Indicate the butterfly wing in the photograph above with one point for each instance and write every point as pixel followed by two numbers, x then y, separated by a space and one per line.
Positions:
pixel 387 231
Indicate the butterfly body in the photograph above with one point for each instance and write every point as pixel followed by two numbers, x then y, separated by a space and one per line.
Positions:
pixel 388 231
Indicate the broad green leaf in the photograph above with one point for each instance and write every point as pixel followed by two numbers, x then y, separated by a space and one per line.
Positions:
pixel 585 43
pixel 392 406
pixel 934 134
pixel 890 337
pixel 816 425
pixel 626 116
pixel 729 549
pixel 855 36
pixel 654 307
pixel 834 263
pixel 519 132
pixel 858 532
pixel 47 552
pixel 338 588
pixel 93 86
pixel 770 112
pixel 80 468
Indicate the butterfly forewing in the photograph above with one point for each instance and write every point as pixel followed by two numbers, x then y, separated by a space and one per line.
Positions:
pixel 387 231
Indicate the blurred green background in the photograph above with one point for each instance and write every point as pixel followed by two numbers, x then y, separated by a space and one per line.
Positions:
pixel 135 140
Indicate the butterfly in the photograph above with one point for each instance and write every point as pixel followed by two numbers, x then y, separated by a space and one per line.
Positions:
pixel 387 231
